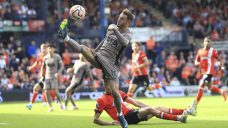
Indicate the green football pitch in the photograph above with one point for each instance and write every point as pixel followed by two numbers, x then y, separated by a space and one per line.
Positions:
pixel 212 113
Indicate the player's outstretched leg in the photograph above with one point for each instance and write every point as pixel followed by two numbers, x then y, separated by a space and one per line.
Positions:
pixel 62 34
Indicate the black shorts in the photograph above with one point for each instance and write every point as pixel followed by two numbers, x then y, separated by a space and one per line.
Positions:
pixel 132 117
pixel 207 78
pixel 141 80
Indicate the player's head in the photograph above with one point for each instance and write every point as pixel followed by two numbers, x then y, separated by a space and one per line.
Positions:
pixel 50 48
pixel 81 57
pixel 207 42
pixel 43 48
pixel 125 19
pixel 135 46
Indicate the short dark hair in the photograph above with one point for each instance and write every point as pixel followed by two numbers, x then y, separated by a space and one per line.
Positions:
pixel 50 45
pixel 130 16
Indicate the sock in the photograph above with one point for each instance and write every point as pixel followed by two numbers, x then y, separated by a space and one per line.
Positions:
pixel 48 97
pixel 72 101
pixel 66 99
pixel 199 94
pixel 44 97
pixel 215 89
pixel 58 97
pixel 120 114
pixel 166 116
pixel 117 102
pixel 52 93
pixel 34 95
pixel 130 94
pixel 175 111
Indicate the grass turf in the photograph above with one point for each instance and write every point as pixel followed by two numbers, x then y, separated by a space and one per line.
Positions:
pixel 212 113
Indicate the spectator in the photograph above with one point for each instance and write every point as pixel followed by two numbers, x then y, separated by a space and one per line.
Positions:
pixel 2 62
pixel 175 82
pixel 32 49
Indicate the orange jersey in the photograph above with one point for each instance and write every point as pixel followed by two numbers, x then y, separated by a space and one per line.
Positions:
pixel 207 60
pixel 137 59
pixel 39 61
pixel 106 102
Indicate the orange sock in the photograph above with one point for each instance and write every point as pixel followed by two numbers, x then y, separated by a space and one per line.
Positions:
pixel 175 111
pixel 199 94
pixel 34 95
pixel 52 93
pixel 166 116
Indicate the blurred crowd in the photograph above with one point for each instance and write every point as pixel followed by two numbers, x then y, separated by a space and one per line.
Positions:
pixel 200 17
pixel 16 10
pixel 143 18
pixel 177 68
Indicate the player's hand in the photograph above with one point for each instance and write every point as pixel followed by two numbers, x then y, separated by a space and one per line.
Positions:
pixel 134 68
pixel 57 75
pixel 197 63
pixel 29 68
pixel 115 122
pixel 112 27
pixel 69 70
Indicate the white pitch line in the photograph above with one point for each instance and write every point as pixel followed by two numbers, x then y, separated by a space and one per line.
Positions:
pixel 4 123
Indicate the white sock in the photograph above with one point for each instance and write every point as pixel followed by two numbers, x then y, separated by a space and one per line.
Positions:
pixel 120 114
pixel 67 38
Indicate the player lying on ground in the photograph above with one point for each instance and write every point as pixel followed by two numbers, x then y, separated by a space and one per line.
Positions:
pixel 134 116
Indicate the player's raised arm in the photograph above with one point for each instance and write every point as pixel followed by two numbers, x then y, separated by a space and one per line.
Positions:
pixel 122 39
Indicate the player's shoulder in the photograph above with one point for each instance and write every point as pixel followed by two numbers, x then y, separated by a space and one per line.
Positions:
pixel 128 32
pixel 101 99
pixel 45 57
pixel 200 50
pixel 142 53
pixel 214 50
pixel 57 55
